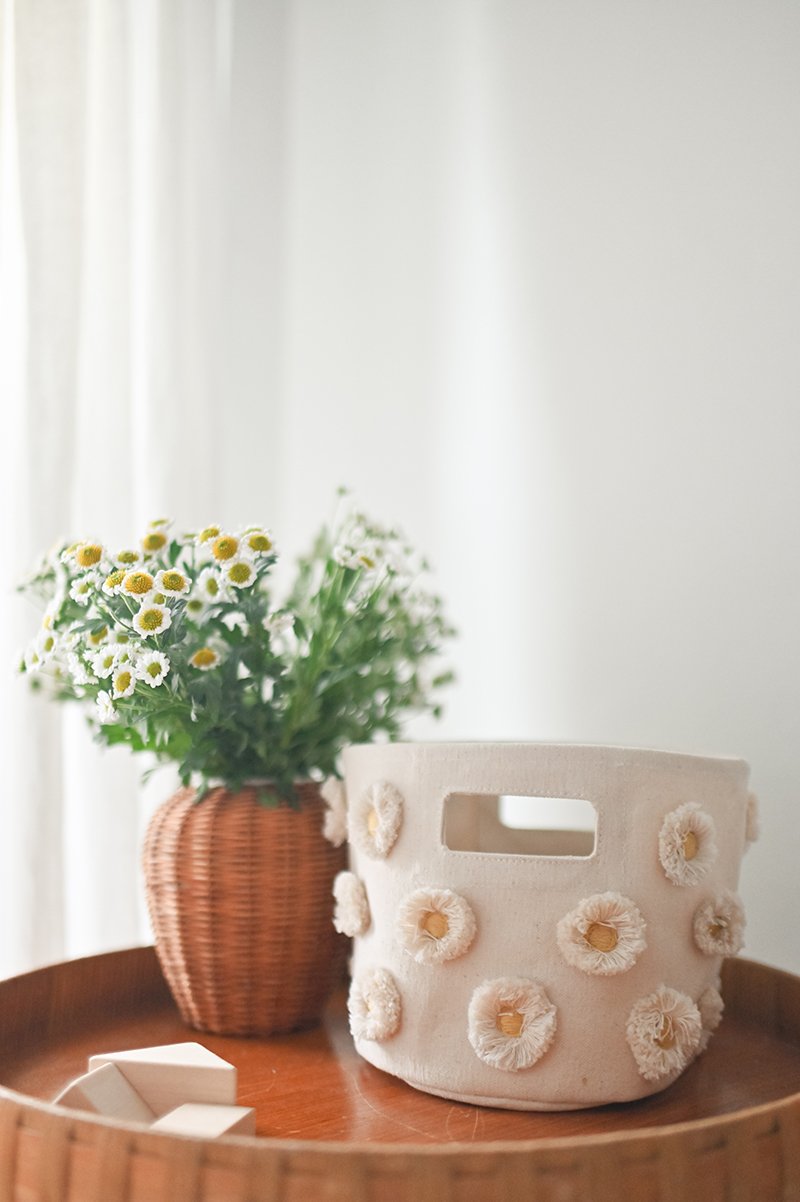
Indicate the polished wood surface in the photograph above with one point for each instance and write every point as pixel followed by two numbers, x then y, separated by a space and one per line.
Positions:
pixel 313 1086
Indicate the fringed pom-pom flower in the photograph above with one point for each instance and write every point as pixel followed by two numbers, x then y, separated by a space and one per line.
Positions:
pixel 375 820
pixel 663 1032
pixel 752 827
pixel 512 1023
pixel 374 1005
pixel 719 925
pixel 351 914
pixel 334 822
pixel 435 925
pixel 711 1006
pixel 604 935
pixel 686 845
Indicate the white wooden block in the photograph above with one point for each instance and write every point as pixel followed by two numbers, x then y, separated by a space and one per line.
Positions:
pixel 106 1091
pixel 194 1118
pixel 168 1076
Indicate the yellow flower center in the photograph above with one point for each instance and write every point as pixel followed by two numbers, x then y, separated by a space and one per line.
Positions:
pixel 123 638
pixel 509 1022
pixel 159 522
pixel 602 937
pixel 208 533
pixel 138 583
pixel 154 669
pixel 49 643
pixel 116 578
pixel 194 606
pixel 212 586
pixel 107 660
pixel 154 540
pixel 240 573
pixel 159 598
pixel 98 636
pixel 174 581
pixel 224 547
pixel 691 845
pixel 88 554
pixel 435 924
pixel 151 619
pixel 122 681
pixel 128 557
pixel 372 821
pixel 47 621
pixel 204 658
pixel 367 561
pixel 259 542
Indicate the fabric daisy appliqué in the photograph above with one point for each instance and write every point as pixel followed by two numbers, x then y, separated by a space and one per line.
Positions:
pixel 663 1031
pixel 719 925
pixel 334 822
pixel 511 1023
pixel 711 1007
pixel 376 818
pixel 686 844
pixel 435 925
pixel 374 1005
pixel 351 914
pixel 604 935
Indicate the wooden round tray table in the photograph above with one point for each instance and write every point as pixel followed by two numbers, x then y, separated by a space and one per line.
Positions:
pixel 332 1128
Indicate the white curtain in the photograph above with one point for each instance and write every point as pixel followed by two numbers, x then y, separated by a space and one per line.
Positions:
pixel 524 275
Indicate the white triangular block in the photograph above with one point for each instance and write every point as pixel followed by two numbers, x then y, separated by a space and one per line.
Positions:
pixel 208 1121
pixel 105 1090
pixel 168 1076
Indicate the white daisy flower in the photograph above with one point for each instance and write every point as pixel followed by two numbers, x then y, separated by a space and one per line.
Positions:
pixel 511 1023
pixel 32 658
pixel 98 636
pixel 225 548
pixel 88 555
pixel 152 667
pixel 236 621
pixel 204 658
pixel 365 556
pixel 152 619
pixel 154 541
pixel 137 584
pixel 278 622
pixel 239 573
pixel 206 536
pixel 112 585
pixel 334 822
pixel 172 583
pixel 123 681
pixel 719 924
pixel 604 935
pixel 375 820
pixel 351 914
pixel 374 1005
pixel 663 1032
pixel 686 844
pixel 752 823
pixel 106 711
pixel 711 1007
pixel 195 607
pixel 83 588
pixel 210 586
pixel 127 558
pixel 47 645
pixel 78 670
pixel 104 661
pixel 435 925
pixel 258 542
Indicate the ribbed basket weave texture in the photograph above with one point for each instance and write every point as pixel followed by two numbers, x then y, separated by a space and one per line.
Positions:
pixel 240 901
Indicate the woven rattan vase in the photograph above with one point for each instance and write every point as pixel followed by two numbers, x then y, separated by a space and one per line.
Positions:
pixel 240 901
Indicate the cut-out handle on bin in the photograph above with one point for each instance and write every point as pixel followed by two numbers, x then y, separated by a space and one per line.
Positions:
pixel 503 823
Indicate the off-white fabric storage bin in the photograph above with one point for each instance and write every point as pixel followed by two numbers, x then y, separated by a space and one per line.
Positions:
pixel 539 981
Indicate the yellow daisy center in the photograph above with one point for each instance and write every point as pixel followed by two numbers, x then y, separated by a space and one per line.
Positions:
pixel 138 583
pixel 194 606
pixel 128 557
pixel 88 554
pixel 49 643
pixel 159 598
pixel 224 547
pixel 259 542
pixel 509 1022
pixel 116 578
pixel 123 638
pixel 435 924
pixel 122 681
pixel 154 669
pixel 367 561
pixel 97 637
pixel 107 660
pixel 174 581
pixel 47 621
pixel 204 657
pixel 154 540
pixel 240 573
pixel 602 937
pixel 151 619
pixel 212 586
pixel 691 845
pixel 208 533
